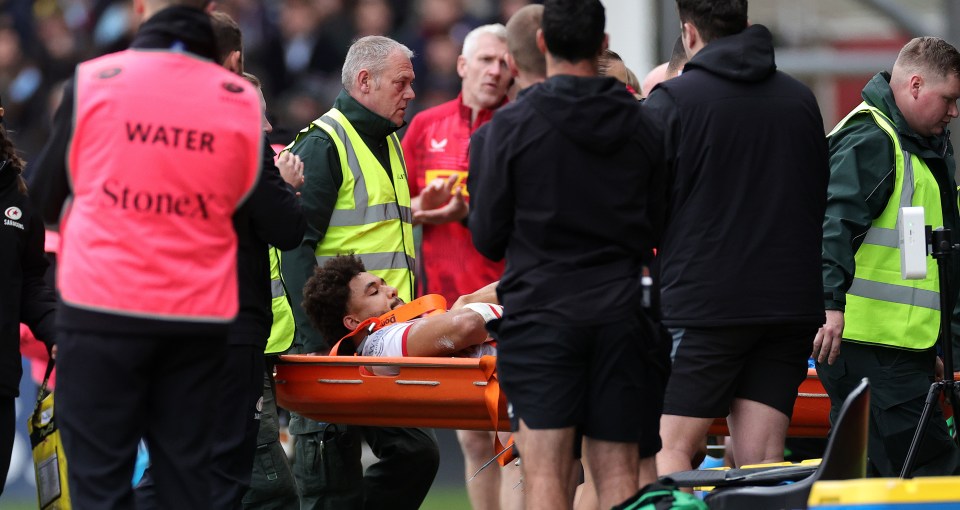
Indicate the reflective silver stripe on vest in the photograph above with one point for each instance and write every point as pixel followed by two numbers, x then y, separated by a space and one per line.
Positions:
pixel 378 261
pixel 895 294
pixel 882 237
pixel 363 213
pixel 396 147
pixel 890 237
pixel 906 194
pixel 370 214
pixel 276 289
pixel 360 197
pixel 405 213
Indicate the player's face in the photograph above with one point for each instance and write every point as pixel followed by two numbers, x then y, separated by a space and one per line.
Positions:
pixel 370 296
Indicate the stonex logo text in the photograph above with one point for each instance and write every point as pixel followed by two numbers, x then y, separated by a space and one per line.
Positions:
pixel 187 205
pixel 171 136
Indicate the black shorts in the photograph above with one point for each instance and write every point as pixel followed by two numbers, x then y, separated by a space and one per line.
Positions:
pixel 713 366
pixel 607 381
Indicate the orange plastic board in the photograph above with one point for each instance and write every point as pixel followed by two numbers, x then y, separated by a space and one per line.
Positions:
pixel 428 392
pixel 811 411
pixel 445 393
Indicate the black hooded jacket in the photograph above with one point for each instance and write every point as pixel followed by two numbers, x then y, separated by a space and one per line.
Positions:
pixel 271 215
pixel 24 295
pixel 567 184
pixel 748 159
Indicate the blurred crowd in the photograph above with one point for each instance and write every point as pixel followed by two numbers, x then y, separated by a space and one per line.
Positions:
pixel 296 46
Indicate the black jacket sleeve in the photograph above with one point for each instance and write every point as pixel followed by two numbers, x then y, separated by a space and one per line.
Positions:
pixel 49 184
pixel 273 209
pixel 663 110
pixel 492 201
pixel 38 303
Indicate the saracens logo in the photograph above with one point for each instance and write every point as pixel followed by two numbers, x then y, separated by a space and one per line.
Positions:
pixel 108 73
pixel 232 87
pixel 12 215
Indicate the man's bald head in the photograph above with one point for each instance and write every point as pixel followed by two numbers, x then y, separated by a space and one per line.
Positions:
pixel 656 75
pixel 196 4
pixel 147 8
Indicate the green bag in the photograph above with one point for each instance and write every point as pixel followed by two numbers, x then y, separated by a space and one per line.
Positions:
pixel 657 496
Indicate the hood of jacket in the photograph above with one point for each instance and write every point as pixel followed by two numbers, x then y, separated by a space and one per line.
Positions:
pixel 178 28
pixel 747 56
pixel 596 113
pixel 877 93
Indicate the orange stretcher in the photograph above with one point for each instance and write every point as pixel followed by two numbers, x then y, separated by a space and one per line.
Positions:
pixel 454 393
pixel 447 393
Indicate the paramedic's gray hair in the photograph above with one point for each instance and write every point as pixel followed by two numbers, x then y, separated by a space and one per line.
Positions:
pixel 470 41
pixel 370 53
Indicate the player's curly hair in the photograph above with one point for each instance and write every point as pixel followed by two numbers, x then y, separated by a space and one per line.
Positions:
pixel 326 293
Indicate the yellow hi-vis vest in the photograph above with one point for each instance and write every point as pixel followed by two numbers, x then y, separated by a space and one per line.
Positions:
pixel 284 327
pixel 882 308
pixel 372 217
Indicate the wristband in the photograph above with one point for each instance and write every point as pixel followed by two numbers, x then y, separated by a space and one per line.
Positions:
pixel 488 311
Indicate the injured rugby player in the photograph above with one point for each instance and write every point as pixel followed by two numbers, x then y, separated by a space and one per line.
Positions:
pixel 341 295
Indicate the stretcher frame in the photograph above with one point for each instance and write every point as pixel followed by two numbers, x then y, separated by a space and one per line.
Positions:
pixel 447 393
pixel 450 393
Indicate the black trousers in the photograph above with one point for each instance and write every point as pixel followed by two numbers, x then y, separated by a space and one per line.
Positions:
pixel 899 383
pixel 8 430
pixel 113 390
pixel 238 419
pixel 272 486
pixel 330 475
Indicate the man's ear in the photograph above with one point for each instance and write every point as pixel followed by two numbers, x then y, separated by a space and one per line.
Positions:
pixel 690 37
pixel 461 66
pixel 351 322
pixel 139 7
pixel 606 43
pixel 541 42
pixel 916 81
pixel 364 82
pixel 511 65
pixel 234 62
